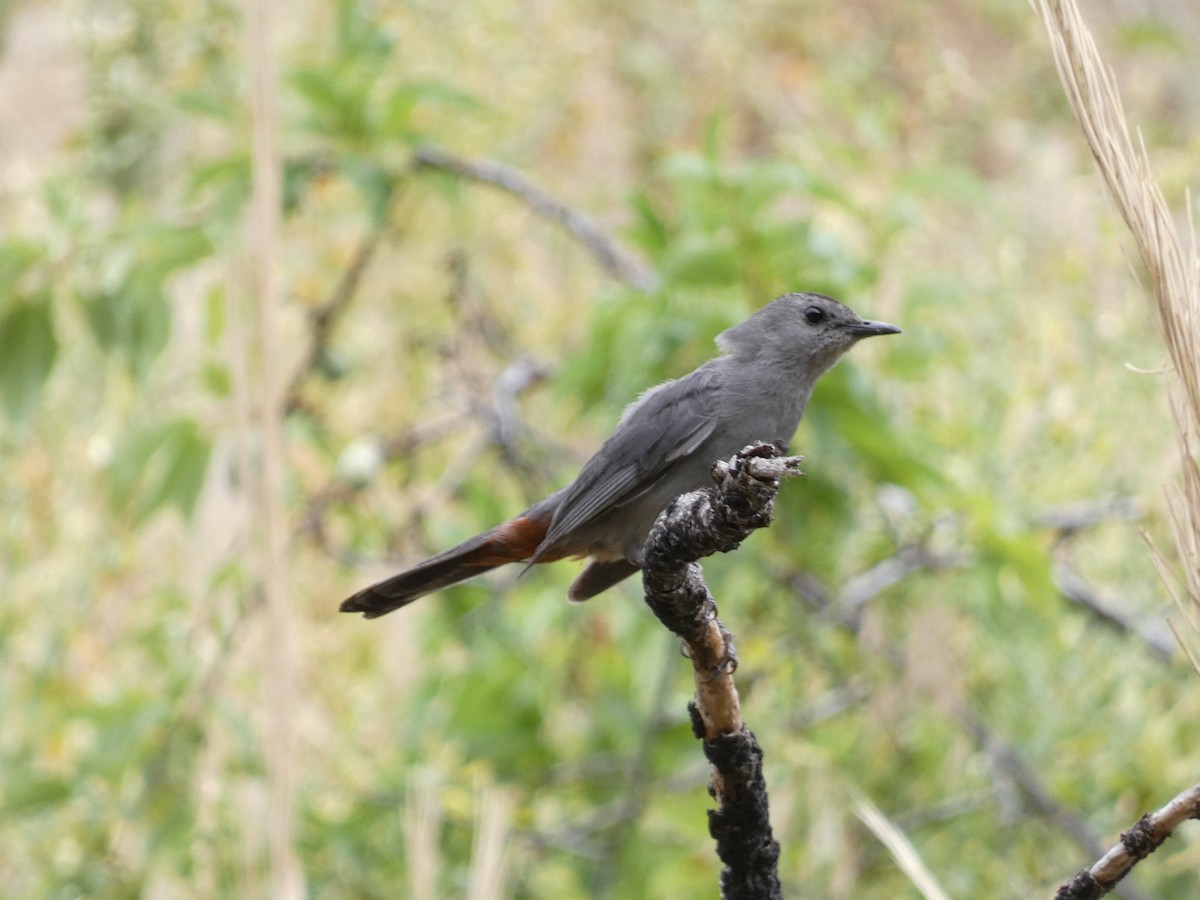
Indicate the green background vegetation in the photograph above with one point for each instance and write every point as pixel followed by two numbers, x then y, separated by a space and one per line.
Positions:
pixel 916 160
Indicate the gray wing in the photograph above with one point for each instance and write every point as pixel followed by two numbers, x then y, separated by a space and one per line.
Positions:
pixel 666 424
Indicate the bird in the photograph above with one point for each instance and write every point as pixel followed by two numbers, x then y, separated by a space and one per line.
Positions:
pixel 664 445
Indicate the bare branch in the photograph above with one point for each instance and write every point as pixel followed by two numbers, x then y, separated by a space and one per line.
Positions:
pixel 1070 585
pixel 1007 760
pixel 312 523
pixel 1146 836
pixel 325 317
pixel 699 524
pixel 860 590
pixel 1030 788
pixel 614 259
pixel 831 703
pixel 1070 518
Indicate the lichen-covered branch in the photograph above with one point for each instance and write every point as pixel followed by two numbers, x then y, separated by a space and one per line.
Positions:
pixel 696 525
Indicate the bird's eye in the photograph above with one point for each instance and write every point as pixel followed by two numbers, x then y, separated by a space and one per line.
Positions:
pixel 814 314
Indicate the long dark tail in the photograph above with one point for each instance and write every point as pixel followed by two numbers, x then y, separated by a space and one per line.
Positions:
pixel 512 541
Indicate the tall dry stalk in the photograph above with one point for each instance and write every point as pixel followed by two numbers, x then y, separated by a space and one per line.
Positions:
pixel 278 665
pixel 1171 265
pixel 489 854
pixel 422 823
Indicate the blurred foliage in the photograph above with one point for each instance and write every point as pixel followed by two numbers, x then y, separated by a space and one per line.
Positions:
pixel 919 165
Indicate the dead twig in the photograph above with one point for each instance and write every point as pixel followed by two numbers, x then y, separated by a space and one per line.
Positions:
pixel 312 522
pixel 1068 522
pixel 1070 518
pixel 614 259
pixel 1158 641
pixel 1027 787
pixel 327 315
pixel 1146 836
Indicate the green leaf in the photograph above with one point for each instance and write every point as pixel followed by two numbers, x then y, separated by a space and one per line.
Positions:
pixel 225 185
pixel 216 379
pixel 16 258
pixel 23 796
pixel 298 177
pixel 214 316
pixel 400 104
pixel 133 320
pixel 359 36
pixel 166 249
pixel 1149 34
pixel 320 89
pixel 702 259
pixel 373 182
pixel 649 230
pixel 336 105
pixel 690 168
pixel 131 314
pixel 28 348
pixel 208 103
pixel 157 466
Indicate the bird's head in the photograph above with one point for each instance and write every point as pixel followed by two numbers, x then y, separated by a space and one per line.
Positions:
pixel 805 331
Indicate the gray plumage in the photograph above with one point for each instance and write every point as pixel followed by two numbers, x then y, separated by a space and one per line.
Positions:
pixel 664 445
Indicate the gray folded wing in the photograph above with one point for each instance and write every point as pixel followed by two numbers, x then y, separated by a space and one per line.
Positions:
pixel 666 424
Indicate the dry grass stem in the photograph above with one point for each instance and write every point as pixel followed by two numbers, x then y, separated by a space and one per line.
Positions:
pixel 422 821
pixel 1171 263
pixel 493 826
pixel 899 846
pixel 278 658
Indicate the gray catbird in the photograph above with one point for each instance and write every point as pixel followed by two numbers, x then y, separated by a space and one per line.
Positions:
pixel 665 445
